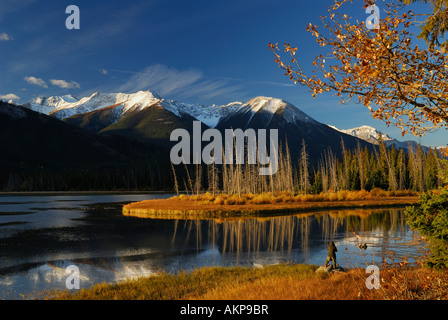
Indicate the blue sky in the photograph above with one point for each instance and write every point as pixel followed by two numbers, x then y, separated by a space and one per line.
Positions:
pixel 198 51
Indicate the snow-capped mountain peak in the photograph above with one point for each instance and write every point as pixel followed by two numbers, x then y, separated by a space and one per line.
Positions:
pixel 366 133
pixel 66 106
pixel 372 135
pixel 281 107
pixel 47 105
pixel 69 98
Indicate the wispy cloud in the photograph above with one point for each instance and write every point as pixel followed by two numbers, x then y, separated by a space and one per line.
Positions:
pixel 5 37
pixel 65 84
pixel 36 81
pixel 169 81
pixel 162 79
pixel 9 96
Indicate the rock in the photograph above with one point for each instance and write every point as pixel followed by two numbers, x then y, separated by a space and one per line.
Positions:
pixel 362 246
pixel 330 269
pixel 323 269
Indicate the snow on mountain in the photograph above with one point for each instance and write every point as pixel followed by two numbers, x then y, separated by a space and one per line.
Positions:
pixel 67 106
pixel 209 115
pixel 69 98
pixel 372 135
pixel 277 106
pixel 50 104
pixel 366 133
pixel 266 108
pixel 129 102
pixel 119 113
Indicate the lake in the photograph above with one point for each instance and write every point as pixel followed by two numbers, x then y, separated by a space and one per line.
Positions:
pixel 41 235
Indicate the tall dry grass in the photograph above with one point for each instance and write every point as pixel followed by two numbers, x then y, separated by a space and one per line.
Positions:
pixel 290 197
pixel 279 282
pixel 292 287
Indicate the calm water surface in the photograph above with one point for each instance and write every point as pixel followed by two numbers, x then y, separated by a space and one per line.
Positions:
pixel 41 235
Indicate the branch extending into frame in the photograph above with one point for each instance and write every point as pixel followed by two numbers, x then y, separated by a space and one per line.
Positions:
pixel 399 82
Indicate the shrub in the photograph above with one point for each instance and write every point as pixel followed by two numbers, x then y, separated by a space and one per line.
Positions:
pixel 288 199
pixel 342 195
pixel 332 196
pixel 219 201
pixel 358 195
pixel 390 193
pixel 402 193
pixel 262 199
pixel 208 196
pixel 430 219
pixel 183 197
pixel 364 194
pixel 319 197
pixel 229 201
pixel 307 197
pixel 377 192
pixel 276 199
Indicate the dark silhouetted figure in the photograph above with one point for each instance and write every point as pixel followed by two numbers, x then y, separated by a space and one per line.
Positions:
pixel 331 254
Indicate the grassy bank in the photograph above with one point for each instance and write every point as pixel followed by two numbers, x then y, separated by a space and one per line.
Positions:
pixel 273 282
pixel 222 205
pixel 279 282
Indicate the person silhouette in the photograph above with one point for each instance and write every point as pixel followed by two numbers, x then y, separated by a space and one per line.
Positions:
pixel 331 255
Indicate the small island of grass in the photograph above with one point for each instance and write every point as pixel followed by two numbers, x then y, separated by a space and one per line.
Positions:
pixel 223 205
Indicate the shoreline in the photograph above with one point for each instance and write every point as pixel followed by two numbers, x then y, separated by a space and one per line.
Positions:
pixel 175 208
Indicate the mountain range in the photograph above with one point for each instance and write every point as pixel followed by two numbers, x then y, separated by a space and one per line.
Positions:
pixel 100 110
pixel 119 140
pixel 147 117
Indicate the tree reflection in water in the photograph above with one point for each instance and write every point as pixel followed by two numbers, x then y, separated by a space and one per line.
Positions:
pixel 378 228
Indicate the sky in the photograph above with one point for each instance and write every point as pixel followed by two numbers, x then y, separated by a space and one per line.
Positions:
pixel 197 51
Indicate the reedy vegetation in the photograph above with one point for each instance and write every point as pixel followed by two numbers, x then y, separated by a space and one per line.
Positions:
pixel 385 168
